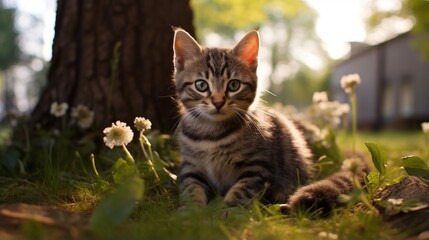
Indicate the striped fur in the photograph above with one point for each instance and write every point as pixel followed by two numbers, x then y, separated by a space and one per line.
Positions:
pixel 230 146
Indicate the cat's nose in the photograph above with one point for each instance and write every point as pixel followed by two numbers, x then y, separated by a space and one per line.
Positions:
pixel 219 104
pixel 218 100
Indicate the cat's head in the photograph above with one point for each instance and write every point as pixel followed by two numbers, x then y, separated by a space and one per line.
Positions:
pixel 215 83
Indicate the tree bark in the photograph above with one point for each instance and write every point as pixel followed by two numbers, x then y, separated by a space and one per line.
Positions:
pixel 134 83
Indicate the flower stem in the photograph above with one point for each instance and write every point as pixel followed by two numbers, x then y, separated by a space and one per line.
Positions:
pixel 93 165
pixel 354 119
pixel 81 162
pixel 129 156
pixel 364 196
pixel 144 141
pixel 426 146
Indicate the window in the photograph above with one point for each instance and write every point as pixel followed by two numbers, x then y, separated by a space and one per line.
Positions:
pixel 388 103
pixel 406 99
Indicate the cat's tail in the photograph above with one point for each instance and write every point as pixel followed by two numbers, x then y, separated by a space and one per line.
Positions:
pixel 323 195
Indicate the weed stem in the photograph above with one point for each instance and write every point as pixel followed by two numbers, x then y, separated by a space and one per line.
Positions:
pixel 93 165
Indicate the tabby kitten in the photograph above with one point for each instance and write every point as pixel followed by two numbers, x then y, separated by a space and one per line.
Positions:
pixel 232 147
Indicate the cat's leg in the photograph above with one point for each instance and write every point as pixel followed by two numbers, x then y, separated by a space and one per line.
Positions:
pixel 250 185
pixel 194 186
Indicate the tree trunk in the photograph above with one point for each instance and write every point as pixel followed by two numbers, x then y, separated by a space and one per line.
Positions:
pixel 135 82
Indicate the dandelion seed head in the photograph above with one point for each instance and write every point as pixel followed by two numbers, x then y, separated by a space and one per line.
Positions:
pixel 59 109
pixel 118 134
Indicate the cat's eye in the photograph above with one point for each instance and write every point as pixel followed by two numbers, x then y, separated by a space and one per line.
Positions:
pixel 201 85
pixel 233 85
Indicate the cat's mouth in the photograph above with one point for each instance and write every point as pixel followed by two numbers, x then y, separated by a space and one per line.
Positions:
pixel 220 114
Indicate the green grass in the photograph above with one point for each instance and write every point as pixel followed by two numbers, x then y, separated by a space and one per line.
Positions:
pixel 5 133
pixel 157 215
pixel 163 221
pixel 396 143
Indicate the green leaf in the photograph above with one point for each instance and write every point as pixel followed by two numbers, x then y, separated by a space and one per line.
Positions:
pixel 118 205
pixel 122 169
pixel 373 178
pixel 379 157
pixel 415 166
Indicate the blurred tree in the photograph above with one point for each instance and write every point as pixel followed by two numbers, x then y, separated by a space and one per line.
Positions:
pixel 226 17
pixel 287 29
pixel 292 80
pixel 298 90
pixel 9 53
pixel 116 58
pixel 410 10
pixel 9 50
pixel 419 9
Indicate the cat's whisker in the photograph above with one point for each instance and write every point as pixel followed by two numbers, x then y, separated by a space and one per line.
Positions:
pixel 265 111
pixel 249 122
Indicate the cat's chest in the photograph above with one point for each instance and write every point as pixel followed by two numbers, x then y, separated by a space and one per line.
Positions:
pixel 219 164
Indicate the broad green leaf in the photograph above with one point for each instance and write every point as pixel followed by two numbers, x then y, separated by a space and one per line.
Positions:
pixel 415 166
pixel 122 170
pixel 117 206
pixel 379 157
pixel 373 178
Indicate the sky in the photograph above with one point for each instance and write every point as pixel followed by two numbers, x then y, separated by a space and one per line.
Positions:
pixel 342 21
pixel 45 11
pixel 339 22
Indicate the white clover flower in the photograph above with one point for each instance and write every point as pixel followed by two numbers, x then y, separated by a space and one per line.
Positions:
pixel 327 235
pixel 118 134
pixel 142 124
pixel 395 201
pixel 322 234
pixel 425 127
pixel 325 114
pixel 332 236
pixel 83 116
pixel 349 82
pixel 321 135
pixel 59 110
pixel 343 109
pixel 319 97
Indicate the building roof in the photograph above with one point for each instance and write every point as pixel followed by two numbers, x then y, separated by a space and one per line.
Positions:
pixel 361 48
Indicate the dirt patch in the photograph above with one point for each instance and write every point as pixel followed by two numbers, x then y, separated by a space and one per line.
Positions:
pixel 20 221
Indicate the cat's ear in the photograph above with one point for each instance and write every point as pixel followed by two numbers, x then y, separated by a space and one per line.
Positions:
pixel 247 49
pixel 185 48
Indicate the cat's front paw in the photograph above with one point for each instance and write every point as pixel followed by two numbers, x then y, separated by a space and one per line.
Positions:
pixel 194 195
pixel 235 198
